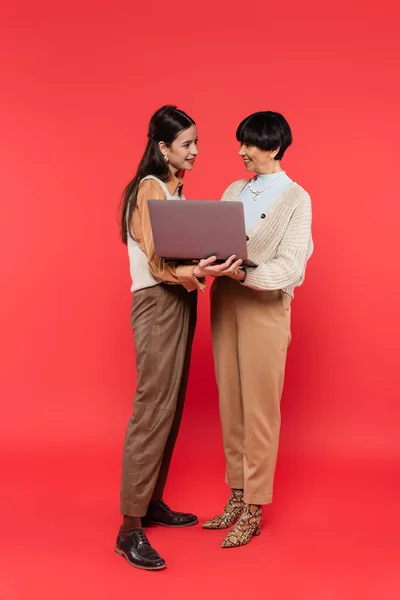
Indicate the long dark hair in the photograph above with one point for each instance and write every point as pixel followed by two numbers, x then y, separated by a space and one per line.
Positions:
pixel 165 125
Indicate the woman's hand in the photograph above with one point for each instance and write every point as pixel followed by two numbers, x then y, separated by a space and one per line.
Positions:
pixel 239 274
pixel 205 267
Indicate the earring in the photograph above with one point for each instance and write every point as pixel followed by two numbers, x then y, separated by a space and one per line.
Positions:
pixel 165 157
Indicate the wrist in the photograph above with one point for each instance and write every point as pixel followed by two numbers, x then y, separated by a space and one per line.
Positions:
pixel 198 272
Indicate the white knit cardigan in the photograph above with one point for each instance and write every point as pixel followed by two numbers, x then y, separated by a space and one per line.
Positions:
pixel 280 242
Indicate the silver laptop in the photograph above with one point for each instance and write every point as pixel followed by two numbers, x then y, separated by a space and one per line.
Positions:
pixel 187 230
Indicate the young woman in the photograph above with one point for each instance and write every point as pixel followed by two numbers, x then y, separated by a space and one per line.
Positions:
pixel 163 321
pixel 250 313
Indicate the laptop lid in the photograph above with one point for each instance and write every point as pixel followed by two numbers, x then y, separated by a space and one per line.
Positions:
pixel 187 230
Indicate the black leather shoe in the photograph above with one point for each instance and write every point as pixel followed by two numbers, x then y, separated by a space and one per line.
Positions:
pixel 137 551
pixel 158 513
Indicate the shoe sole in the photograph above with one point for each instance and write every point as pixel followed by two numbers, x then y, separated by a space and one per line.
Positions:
pixel 122 553
pixel 255 534
pixel 171 526
pixel 219 528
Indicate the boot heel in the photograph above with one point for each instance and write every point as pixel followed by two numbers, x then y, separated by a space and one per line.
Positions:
pixel 118 551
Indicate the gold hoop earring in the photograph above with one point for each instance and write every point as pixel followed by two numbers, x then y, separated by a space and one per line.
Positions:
pixel 165 157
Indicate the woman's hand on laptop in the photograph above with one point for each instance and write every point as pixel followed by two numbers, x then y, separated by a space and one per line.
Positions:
pixel 239 274
pixel 228 268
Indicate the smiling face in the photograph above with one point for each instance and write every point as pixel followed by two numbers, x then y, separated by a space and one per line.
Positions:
pixel 259 161
pixel 183 151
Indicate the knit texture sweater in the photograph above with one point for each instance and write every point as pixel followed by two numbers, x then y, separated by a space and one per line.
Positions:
pixel 280 242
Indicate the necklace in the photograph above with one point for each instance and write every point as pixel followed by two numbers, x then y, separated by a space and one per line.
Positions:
pixel 256 193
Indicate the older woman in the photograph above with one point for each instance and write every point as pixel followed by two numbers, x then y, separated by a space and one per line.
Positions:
pixel 250 316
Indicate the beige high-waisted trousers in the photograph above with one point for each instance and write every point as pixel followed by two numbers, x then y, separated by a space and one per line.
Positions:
pixel 250 333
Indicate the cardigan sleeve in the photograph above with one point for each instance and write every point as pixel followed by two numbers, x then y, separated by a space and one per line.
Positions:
pixel 233 190
pixel 289 263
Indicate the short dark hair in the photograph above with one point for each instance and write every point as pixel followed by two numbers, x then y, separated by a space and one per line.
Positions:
pixel 267 130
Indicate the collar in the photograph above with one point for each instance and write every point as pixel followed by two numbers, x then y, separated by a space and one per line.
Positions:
pixel 174 183
pixel 270 176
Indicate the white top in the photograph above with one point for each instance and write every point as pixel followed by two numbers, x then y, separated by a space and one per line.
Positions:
pixel 141 275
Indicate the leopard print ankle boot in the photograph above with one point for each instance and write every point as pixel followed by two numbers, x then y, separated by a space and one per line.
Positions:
pixel 248 525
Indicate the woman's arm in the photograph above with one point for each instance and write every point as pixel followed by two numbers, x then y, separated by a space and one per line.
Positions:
pixel 169 272
pixel 288 266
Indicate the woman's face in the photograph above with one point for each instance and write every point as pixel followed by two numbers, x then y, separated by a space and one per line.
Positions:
pixel 257 160
pixel 183 150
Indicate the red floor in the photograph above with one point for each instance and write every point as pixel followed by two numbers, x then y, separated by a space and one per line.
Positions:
pixel 331 534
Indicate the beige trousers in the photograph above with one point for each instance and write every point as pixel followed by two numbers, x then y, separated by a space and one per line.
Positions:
pixel 250 333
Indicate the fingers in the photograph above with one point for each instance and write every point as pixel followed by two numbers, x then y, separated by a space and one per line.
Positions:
pixel 229 266
pixel 218 269
pixel 227 263
pixel 234 266
pixel 207 261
